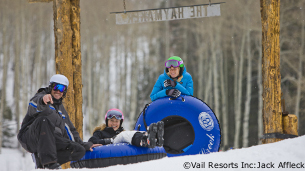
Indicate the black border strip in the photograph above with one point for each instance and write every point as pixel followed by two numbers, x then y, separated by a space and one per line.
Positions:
pixel 277 135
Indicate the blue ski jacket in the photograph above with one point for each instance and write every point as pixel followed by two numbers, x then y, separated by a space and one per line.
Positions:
pixel 184 85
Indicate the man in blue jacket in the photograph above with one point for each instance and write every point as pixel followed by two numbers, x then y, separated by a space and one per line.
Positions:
pixel 174 81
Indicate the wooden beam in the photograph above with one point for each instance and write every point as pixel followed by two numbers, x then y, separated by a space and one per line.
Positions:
pixel 272 112
pixel 34 1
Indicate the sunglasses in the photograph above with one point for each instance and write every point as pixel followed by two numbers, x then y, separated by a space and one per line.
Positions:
pixel 59 87
pixel 173 63
pixel 113 113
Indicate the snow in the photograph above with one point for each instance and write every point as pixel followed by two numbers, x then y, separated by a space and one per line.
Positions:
pixel 283 155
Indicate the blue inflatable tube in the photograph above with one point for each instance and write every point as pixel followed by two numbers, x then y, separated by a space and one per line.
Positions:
pixel 190 126
pixel 113 154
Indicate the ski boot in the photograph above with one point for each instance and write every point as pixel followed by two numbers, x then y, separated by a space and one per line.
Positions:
pixel 160 133
pixel 149 138
pixel 154 135
pixel 52 166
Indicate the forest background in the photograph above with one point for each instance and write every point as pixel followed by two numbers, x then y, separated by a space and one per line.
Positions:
pixel 121 63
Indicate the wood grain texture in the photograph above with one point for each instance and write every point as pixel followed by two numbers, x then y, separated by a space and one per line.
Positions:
pixel 290 124
pixel 272 114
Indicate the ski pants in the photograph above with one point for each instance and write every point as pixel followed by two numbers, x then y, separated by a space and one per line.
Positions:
pixel 50 147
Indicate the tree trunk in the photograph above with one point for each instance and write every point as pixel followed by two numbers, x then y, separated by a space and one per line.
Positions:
pixel 38 47
pixel 134 87
pixel 272 112
pixel 260 93
pixel 209 80
pixel 4 77
pixel 224 100
pixel 24 65
pixel 124 78
pixel 167 35
pixel 248 95
pixel 95 81
pixel 122 75
pixel 105 84
pixel 238 90
pixel 215 72
pixel 16 77
pixel 300 71
pixel 128 77
pixel 89 80
pixel 235 89
pixel 200 69
pixel 77 66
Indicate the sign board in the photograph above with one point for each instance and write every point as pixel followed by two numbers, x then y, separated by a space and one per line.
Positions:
pixel 165 14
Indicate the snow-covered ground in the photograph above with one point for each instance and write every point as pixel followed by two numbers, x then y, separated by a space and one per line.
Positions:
pixel 284 155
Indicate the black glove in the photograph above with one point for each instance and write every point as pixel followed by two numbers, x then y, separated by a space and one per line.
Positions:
pixel 169 82
pixel 173 92
pixel 108 141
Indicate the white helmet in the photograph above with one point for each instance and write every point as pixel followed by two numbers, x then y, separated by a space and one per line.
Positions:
pixel 61 79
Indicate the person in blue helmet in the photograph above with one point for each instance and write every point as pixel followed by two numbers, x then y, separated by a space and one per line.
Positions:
pixel 174 81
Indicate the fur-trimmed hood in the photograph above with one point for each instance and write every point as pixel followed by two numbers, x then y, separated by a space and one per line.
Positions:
pixel 103 126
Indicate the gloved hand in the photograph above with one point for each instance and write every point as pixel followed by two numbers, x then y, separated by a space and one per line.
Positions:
pixel 108 141
pixel 169 82
pixel 173 92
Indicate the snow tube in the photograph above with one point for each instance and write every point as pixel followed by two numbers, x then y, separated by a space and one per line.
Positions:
pixel 190 126
pixel 113 154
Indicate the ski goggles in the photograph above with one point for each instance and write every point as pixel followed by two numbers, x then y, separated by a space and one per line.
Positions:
pixel 173 63
pixel 58 87
pixel 113 113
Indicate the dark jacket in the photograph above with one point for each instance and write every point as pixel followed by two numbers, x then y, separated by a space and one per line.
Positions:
pixel 100 135
pixel 57 115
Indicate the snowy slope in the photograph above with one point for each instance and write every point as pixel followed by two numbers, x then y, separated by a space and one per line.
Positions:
pixel 282 155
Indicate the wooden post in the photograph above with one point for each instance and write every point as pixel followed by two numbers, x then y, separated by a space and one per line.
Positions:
pixel 290 121
pixel 290 124
pixel 77 66
pixel 272 113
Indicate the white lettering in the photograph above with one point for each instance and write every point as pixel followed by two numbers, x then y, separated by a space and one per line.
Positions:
pixel 151 16
pixel 210 145
pixel 199 13
pixel 180 11
pixel 192 11
pixel 158 14
pixel 166 12
pixel 174 13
